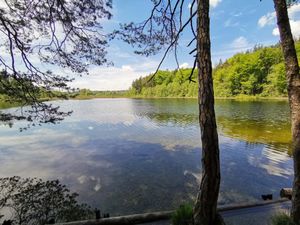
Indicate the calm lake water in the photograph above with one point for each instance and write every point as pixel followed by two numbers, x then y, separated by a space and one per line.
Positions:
pixel 137 155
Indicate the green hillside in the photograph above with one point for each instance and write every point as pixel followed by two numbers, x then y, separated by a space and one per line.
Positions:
pixel 259 72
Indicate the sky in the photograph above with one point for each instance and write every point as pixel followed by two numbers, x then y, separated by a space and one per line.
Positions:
pixel 236 26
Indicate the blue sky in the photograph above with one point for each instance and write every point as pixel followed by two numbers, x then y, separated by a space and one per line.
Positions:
pixel 235 27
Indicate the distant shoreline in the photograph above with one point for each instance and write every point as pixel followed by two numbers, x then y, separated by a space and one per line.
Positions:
pixel 239 98
pixel 5 105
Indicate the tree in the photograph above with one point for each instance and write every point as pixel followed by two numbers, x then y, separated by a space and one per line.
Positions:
pixel 37 34
pixel 33 201
pixel 205 212
pixel 162 30
pixel 293 82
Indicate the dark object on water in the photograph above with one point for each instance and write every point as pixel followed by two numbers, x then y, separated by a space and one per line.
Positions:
pixel 7 222
pixel 98 214
pixel 286 193
pixel 267 197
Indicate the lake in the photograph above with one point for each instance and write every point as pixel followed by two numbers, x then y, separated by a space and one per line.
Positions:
pixel 136 155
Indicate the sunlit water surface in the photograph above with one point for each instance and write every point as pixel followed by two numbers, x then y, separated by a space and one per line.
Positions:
pixel 137 155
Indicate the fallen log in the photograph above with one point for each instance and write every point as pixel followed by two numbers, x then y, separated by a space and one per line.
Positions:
pixel 286 193
pixel 164 215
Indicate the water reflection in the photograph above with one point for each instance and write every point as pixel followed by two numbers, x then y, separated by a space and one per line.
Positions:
pixel 265 122
pixel 125 155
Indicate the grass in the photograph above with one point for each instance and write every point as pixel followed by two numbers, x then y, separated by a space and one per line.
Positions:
pixel 183 215
pixel 282 219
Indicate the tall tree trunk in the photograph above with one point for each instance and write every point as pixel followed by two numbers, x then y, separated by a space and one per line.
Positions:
pixel 205 210
pixel 293 79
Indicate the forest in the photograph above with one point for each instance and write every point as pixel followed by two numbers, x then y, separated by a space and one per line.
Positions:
pixel 258 72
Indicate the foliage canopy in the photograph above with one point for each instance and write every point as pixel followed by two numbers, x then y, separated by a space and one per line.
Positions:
pixel 39 34
pixel 33 201
pixel 259 72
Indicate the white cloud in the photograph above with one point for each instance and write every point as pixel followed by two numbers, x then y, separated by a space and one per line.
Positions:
pixel 231 23
pixel 184 65
pixel 127 68
pixel 114 78
pixel 82 179
pixel 240 43
pixel 214 3
pixel 275 32
pixel 270 19
pixel 294 10
pixel 295 26
pixel 115 51
pixel 237 14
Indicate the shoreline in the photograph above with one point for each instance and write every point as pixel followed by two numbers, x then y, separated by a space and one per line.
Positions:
pixel 237 98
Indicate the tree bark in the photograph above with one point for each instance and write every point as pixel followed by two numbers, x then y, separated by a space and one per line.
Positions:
pixel 293 79
pixel 205 210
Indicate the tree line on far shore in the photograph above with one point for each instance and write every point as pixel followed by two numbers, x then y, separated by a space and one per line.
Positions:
pixel 258 72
